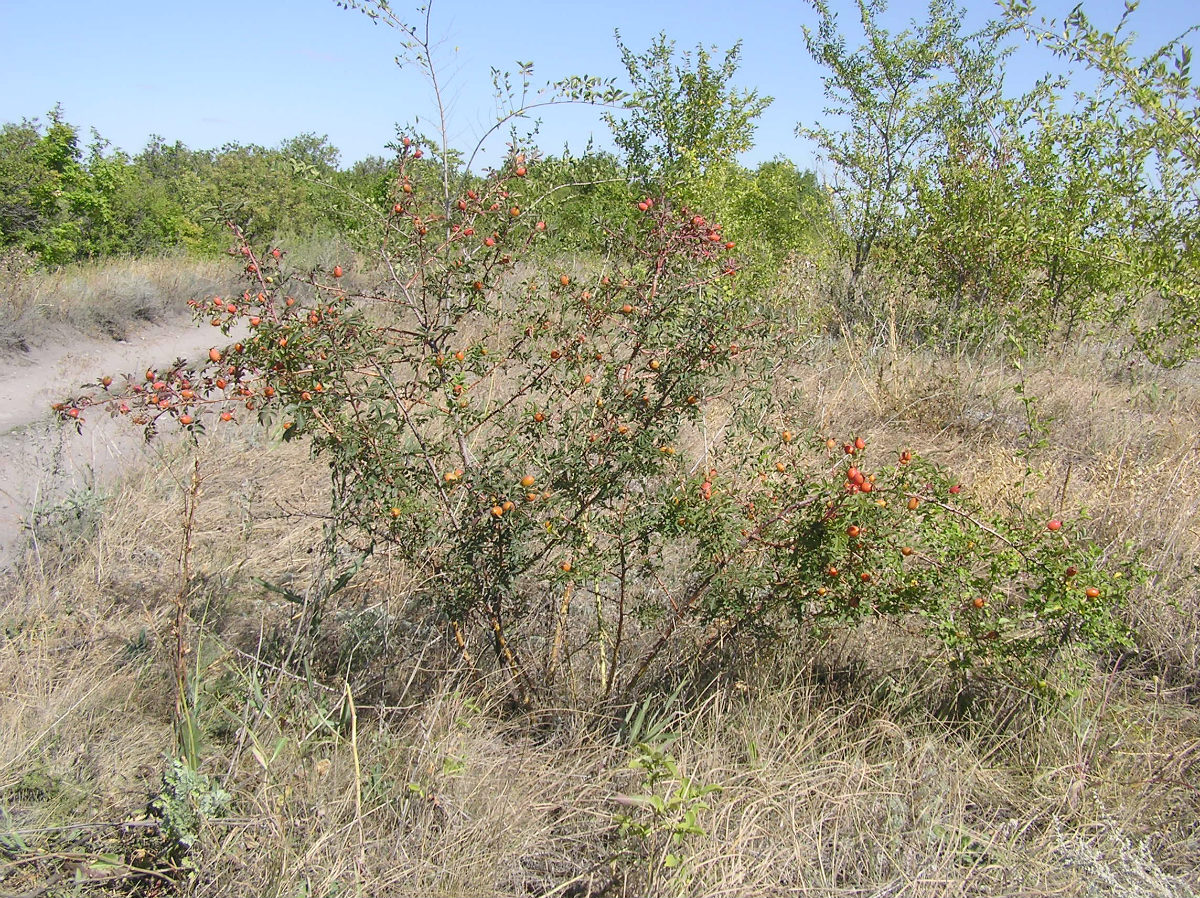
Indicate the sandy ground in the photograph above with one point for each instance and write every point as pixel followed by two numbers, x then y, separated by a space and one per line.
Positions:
pixel 43 463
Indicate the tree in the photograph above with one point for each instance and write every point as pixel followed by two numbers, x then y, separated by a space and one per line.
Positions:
pixel 40 171
pixel 682 117
pixel 900 95
pixel 1142 119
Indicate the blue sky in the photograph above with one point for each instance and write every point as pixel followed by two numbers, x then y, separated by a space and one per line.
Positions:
pixel 260 71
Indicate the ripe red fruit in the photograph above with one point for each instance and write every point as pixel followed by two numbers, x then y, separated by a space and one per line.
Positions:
pixel 520 172
pixel 860 444
pixel 337 271
pixel 956 489
pixel 541 226
pixel 643 206
pixel 1054 525
pixel 1092 592
pixel 564 280
pixel 979 601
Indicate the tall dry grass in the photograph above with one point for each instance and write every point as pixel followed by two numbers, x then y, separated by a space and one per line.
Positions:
pixel 385 768
pixel 114 297
pixel 104 298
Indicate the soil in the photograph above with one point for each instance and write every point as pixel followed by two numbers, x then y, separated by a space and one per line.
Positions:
pixel 49 465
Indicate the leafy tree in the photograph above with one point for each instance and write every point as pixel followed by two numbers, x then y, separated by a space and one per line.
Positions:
pixel 900 95
pixel 40 178
pixel 683 115
pixel 1142 120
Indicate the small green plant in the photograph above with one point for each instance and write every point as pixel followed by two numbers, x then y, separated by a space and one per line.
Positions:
pixel 70 522
pixel 662 817
pixel 187 800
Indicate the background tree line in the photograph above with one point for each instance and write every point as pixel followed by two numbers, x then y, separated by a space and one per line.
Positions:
pixel 63 201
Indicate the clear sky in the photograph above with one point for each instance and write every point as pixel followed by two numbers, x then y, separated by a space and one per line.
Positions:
pixel 260 71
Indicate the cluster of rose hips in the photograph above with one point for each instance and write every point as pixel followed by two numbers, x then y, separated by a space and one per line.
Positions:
pixel 176 392
pixel 694 236
pixel 495 507
pixel 471 206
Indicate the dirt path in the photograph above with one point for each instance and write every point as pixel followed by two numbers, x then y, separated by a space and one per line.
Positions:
pixel 45 464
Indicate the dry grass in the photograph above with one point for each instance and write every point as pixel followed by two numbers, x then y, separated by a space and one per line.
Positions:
pixel 835 776
pixel 112 298
pixel 103 298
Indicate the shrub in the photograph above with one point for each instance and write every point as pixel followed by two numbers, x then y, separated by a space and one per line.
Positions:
pixel 578 463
